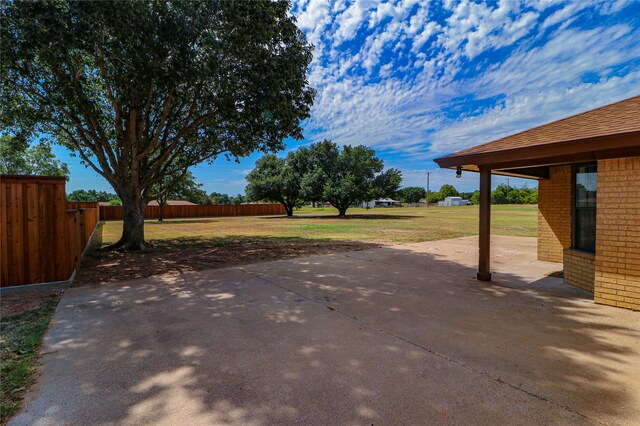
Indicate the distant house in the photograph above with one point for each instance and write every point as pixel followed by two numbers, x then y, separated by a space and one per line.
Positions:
pixel 453 201
pixel 588 168
pixel 383 202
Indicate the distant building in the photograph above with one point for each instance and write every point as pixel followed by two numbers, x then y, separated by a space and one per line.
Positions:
pixel 383 202
pixel 454 201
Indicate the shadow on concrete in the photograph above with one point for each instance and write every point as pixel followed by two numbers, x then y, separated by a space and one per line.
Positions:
pixel 389 335
pixel 188 254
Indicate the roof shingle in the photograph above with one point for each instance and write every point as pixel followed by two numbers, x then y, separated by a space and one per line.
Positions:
pixel 617 118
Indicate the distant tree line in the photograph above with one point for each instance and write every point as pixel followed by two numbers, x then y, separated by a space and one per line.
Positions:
pixel 323 172
pixel 94 196
pixel 503 194
pixel 196 196
pixel 225 199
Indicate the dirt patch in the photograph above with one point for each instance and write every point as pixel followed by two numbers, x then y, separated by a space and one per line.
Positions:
pixel 23 301
pixel 108 266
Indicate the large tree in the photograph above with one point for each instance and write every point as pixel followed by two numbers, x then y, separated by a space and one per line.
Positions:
pixel 411 194
pixel 448 190
pixel 347 176
pixel 279 179
pixel 17 157
pixel 144 89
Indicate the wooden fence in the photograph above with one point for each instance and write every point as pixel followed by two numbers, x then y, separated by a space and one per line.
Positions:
pixel 82 205
pixel 41 240
pixel 173 212
pixel 42 236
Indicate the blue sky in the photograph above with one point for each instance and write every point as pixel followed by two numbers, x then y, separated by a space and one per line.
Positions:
pixel 416 80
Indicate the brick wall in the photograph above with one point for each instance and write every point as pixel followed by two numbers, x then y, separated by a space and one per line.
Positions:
pixel 554 214
pixel 617 266
pixel 579 269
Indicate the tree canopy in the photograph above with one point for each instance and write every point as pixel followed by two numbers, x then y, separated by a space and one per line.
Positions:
pixel 17 157
pixel 279 179
pixel 91 195
pixel 140 90
pixel 347 176
pixel 411 194
pixel 505 194
pixel 446 190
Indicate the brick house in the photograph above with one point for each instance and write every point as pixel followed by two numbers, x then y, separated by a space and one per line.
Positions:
pixel 588 168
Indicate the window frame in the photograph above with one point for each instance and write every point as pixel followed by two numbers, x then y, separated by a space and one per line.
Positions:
pixel 574 176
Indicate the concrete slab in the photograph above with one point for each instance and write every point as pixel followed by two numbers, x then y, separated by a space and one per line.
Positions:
pixel 397 335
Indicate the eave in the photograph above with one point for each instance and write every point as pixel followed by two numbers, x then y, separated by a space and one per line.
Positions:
pixel 519 162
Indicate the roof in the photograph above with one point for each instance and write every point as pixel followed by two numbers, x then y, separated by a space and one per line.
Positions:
pixel 609 131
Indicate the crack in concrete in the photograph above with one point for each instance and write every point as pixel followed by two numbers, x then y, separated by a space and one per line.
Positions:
pixel 445 357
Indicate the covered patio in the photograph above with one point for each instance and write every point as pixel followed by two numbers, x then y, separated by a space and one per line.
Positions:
pixel 574 159
pixel 394 335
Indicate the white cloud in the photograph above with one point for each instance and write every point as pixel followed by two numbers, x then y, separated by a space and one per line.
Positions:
pixel 474 28
pixel 393 86
pixel 349 21
pixel 531 109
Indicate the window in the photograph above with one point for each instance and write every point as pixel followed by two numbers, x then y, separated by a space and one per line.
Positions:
pixel 584 220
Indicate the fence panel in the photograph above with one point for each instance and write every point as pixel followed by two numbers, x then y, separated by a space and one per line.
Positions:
pixel 175 212
pixel 38 241
pixel 42 236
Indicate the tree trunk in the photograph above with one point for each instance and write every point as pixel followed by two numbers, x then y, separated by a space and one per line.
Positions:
pixel 161 211
pixel 342 211
pixel 132 238
pixel 289 210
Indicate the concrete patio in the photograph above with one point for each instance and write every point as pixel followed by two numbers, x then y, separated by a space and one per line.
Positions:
pixel 395 335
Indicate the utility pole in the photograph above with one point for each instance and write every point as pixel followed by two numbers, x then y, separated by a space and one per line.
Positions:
pixel 428 190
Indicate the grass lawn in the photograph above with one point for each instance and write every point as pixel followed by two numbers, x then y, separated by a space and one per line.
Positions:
pixel 380 225
pixel 20 339
pixel 184 245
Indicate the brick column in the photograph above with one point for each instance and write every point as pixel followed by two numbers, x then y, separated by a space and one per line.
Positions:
pixel 617 263
pixel 554 214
